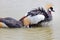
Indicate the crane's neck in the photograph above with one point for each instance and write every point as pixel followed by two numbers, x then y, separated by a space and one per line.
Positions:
pixel 48 12
pixel 49 15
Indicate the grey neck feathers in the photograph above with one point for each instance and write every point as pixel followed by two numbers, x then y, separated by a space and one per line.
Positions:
pixel 49 15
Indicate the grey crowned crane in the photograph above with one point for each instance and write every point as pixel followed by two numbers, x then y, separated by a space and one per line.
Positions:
pixel 38 17
pixel 47 15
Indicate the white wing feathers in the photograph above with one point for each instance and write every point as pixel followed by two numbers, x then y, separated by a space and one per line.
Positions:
pixel 36 19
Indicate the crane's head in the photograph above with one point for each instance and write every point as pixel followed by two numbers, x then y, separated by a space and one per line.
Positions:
pixel 50 7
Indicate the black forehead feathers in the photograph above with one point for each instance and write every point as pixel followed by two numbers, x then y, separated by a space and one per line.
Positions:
pixel 51 7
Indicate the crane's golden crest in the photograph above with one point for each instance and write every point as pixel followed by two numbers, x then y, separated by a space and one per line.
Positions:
pixel 48 6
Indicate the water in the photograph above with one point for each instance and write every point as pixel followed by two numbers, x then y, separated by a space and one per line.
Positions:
pixel 38 33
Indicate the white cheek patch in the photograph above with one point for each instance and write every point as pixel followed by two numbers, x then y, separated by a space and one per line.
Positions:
pixel 49 9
